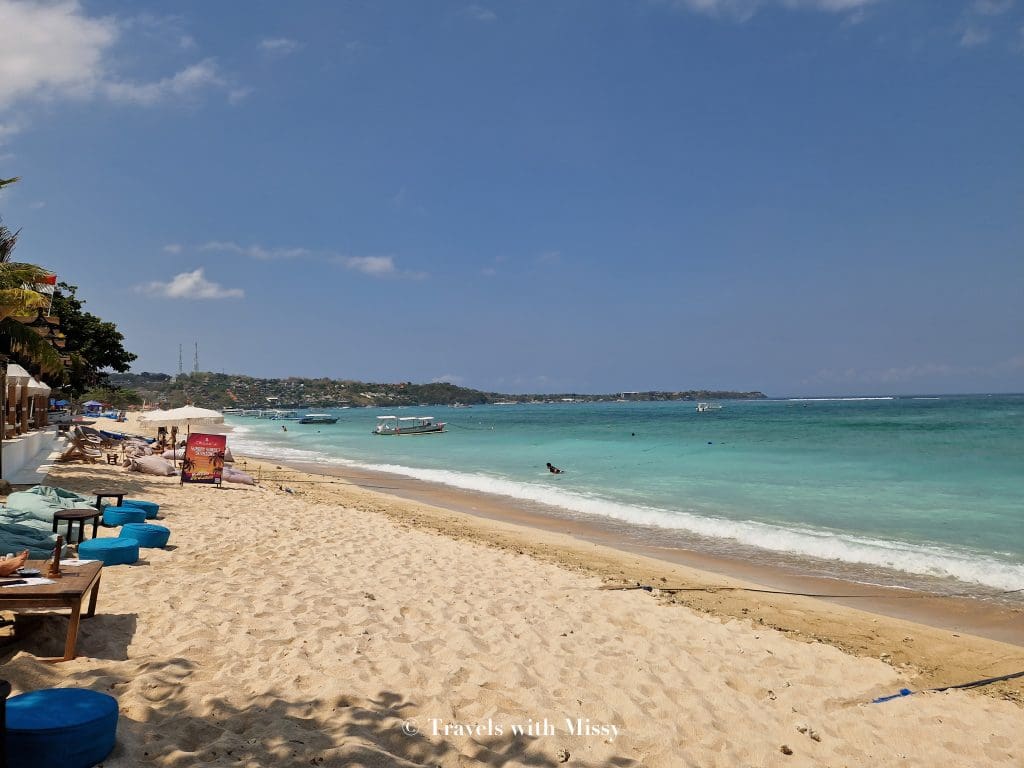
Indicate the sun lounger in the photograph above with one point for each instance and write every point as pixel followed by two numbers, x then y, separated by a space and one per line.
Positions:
pixel 81 448
pixel 97 437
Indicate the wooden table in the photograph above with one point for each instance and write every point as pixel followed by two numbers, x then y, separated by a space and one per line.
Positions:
pixel 68 592
pixel 100 495
pixel 79 516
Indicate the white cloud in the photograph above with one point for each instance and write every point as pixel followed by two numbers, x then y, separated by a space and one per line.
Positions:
pixel 376 266
pixel 279 46
pixel 449 378
pixel 992 7
pixel 973 35
pixel 51 49
pixel 55 50
pixel 238 95
pixel 172 248
pixel 189 80
pixel 190 285
pixel 37 205
pixel 258 252
pixel 480 13
pixel 745 9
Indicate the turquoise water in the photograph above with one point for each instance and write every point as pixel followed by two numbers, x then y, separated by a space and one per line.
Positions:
pixel 923 492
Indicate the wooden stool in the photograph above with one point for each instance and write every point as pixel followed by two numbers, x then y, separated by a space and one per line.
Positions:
pixel 111 458
pixel 80 516
pixel 100 495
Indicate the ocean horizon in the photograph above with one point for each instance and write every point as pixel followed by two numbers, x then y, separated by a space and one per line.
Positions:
pixel 915 491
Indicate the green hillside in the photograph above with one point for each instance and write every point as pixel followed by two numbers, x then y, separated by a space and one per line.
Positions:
pixel 220 390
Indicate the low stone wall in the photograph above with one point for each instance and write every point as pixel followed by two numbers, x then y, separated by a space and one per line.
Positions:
pixel 27 451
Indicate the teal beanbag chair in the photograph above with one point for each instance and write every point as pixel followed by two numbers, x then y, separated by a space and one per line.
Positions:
pixel 110 551
pixel 151 507
pixel 60 728
pixel 120 515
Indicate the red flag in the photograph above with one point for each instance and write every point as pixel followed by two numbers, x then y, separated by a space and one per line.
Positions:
pixel 48 280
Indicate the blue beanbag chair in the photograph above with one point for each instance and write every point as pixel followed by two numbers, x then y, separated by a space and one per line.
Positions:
pixel 121 515
pixel 60 728
pixel 147 534
pixel 151 507
pixel 111 551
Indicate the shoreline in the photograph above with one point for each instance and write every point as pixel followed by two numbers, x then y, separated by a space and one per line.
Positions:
pixel 929 654
pixel 334 624
pixel 1004 623
pixel 937 640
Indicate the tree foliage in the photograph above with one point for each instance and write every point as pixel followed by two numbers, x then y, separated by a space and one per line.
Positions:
pixel 119 398
pixel 91 343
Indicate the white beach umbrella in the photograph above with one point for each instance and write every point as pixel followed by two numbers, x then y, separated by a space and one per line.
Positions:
pixel 34 387
pixel 188 415
pixel 17 375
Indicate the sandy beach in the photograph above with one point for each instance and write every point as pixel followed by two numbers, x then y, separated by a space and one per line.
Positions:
pixel 336 625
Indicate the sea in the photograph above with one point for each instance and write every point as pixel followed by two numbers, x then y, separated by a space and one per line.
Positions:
pixel 923 493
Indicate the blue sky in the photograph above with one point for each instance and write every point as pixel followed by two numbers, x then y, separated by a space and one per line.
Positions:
pixel 798 196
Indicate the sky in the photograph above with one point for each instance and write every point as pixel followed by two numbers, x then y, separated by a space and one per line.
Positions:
pixel 803 197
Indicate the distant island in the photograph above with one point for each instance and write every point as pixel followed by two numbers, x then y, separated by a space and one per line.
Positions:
pixel 221 390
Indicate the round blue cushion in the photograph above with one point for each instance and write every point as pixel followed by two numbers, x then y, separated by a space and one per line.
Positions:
pixel 60 728
pixel 147 534
pixel 151 507
pixel 111 551
pixel 122 515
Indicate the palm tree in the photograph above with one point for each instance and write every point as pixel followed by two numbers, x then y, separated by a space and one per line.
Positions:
pixel 18 306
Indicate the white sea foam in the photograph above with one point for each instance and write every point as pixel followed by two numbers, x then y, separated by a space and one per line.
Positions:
pixel 917 559
pixel 835 399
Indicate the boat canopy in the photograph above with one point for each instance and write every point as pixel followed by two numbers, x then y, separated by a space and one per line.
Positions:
pixel 386 417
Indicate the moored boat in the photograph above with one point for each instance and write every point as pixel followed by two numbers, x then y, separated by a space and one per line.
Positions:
pixel 318 418
pixel 408 425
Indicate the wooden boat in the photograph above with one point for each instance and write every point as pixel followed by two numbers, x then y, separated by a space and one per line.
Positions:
pixel 408 425
pixel 318 418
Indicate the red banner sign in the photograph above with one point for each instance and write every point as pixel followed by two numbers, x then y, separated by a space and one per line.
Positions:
pixel 204 458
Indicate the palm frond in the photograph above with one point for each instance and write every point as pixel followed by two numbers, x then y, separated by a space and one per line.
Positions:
pixel 15 274
pixel 20 303
pixel 24 342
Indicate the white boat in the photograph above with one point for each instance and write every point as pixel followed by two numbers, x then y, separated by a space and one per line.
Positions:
pixel 280 414
pixel 233 411
pixel 407 425
pixel 705 407
pixel 318 418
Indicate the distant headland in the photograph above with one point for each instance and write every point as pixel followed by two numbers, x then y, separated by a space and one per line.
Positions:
pixel 222 390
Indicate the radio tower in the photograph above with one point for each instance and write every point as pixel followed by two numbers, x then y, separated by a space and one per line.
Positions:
pixel 180 369
pixel 195 360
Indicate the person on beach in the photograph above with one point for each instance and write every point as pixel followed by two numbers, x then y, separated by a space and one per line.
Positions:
pixel 553 469
pixel 12 564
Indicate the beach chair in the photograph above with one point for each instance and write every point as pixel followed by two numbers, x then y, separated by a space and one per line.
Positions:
pixel 81 448
pixel 96 437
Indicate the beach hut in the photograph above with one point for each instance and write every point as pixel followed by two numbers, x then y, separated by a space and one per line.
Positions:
pixel 92 408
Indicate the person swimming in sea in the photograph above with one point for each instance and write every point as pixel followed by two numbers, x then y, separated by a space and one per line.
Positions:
pixel 553 469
